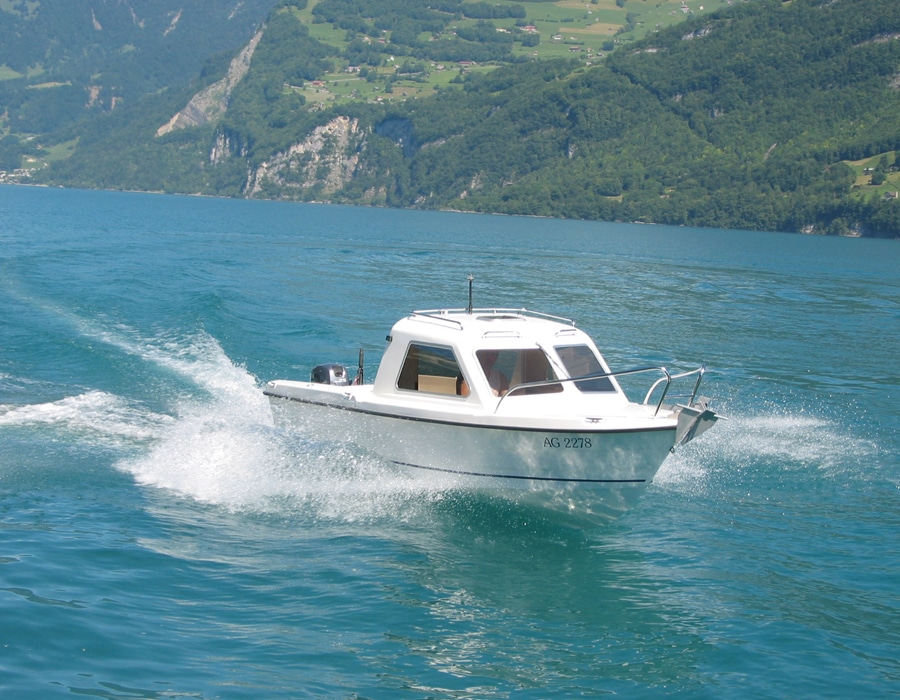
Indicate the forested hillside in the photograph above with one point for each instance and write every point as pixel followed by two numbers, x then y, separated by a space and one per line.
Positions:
pixel 759 114
pixel 66 62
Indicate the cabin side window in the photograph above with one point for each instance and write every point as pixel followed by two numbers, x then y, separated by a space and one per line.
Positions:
pixel 580 360
pixel 431 369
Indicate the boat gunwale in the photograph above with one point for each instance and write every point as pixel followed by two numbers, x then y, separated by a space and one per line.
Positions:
pixel 595 429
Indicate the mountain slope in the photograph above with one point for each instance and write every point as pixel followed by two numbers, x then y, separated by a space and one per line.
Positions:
pixel 746 118
pixel 63 61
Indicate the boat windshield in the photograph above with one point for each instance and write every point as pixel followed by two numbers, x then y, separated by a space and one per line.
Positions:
pixel 580 360
pixel 505 369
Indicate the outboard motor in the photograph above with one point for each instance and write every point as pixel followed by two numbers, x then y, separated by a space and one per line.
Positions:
pixel 331 373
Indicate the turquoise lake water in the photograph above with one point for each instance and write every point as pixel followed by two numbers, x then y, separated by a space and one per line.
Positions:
pixel 160 538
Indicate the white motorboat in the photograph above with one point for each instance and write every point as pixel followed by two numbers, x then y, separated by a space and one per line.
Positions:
pixel 508 400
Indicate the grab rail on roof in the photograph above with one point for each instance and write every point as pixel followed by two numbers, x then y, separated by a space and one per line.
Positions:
pixel 442 314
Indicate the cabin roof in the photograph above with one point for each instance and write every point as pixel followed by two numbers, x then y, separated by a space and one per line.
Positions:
pixel 480 325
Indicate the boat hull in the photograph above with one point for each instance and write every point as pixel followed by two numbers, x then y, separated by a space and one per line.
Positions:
pixel 594 474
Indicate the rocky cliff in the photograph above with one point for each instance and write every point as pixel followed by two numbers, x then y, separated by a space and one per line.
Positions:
pixel 210 104
pixel 326 159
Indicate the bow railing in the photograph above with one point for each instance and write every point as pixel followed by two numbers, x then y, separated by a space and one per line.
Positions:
pixel 666 379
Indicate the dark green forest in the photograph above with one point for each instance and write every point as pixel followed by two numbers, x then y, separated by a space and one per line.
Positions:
pixel 62 61
pixel 764 114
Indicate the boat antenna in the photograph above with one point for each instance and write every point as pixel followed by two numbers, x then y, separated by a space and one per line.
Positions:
pixel 471 279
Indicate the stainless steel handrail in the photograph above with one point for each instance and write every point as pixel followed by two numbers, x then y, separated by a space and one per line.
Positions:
pixel 700 371
pixel 667 377
pixel 439 313
pixel 599 375
pixel 436 316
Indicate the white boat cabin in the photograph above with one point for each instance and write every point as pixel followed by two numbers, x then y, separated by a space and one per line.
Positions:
pixel 487 356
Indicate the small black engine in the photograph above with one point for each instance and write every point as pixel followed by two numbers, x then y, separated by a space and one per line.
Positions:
pixel 331 373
